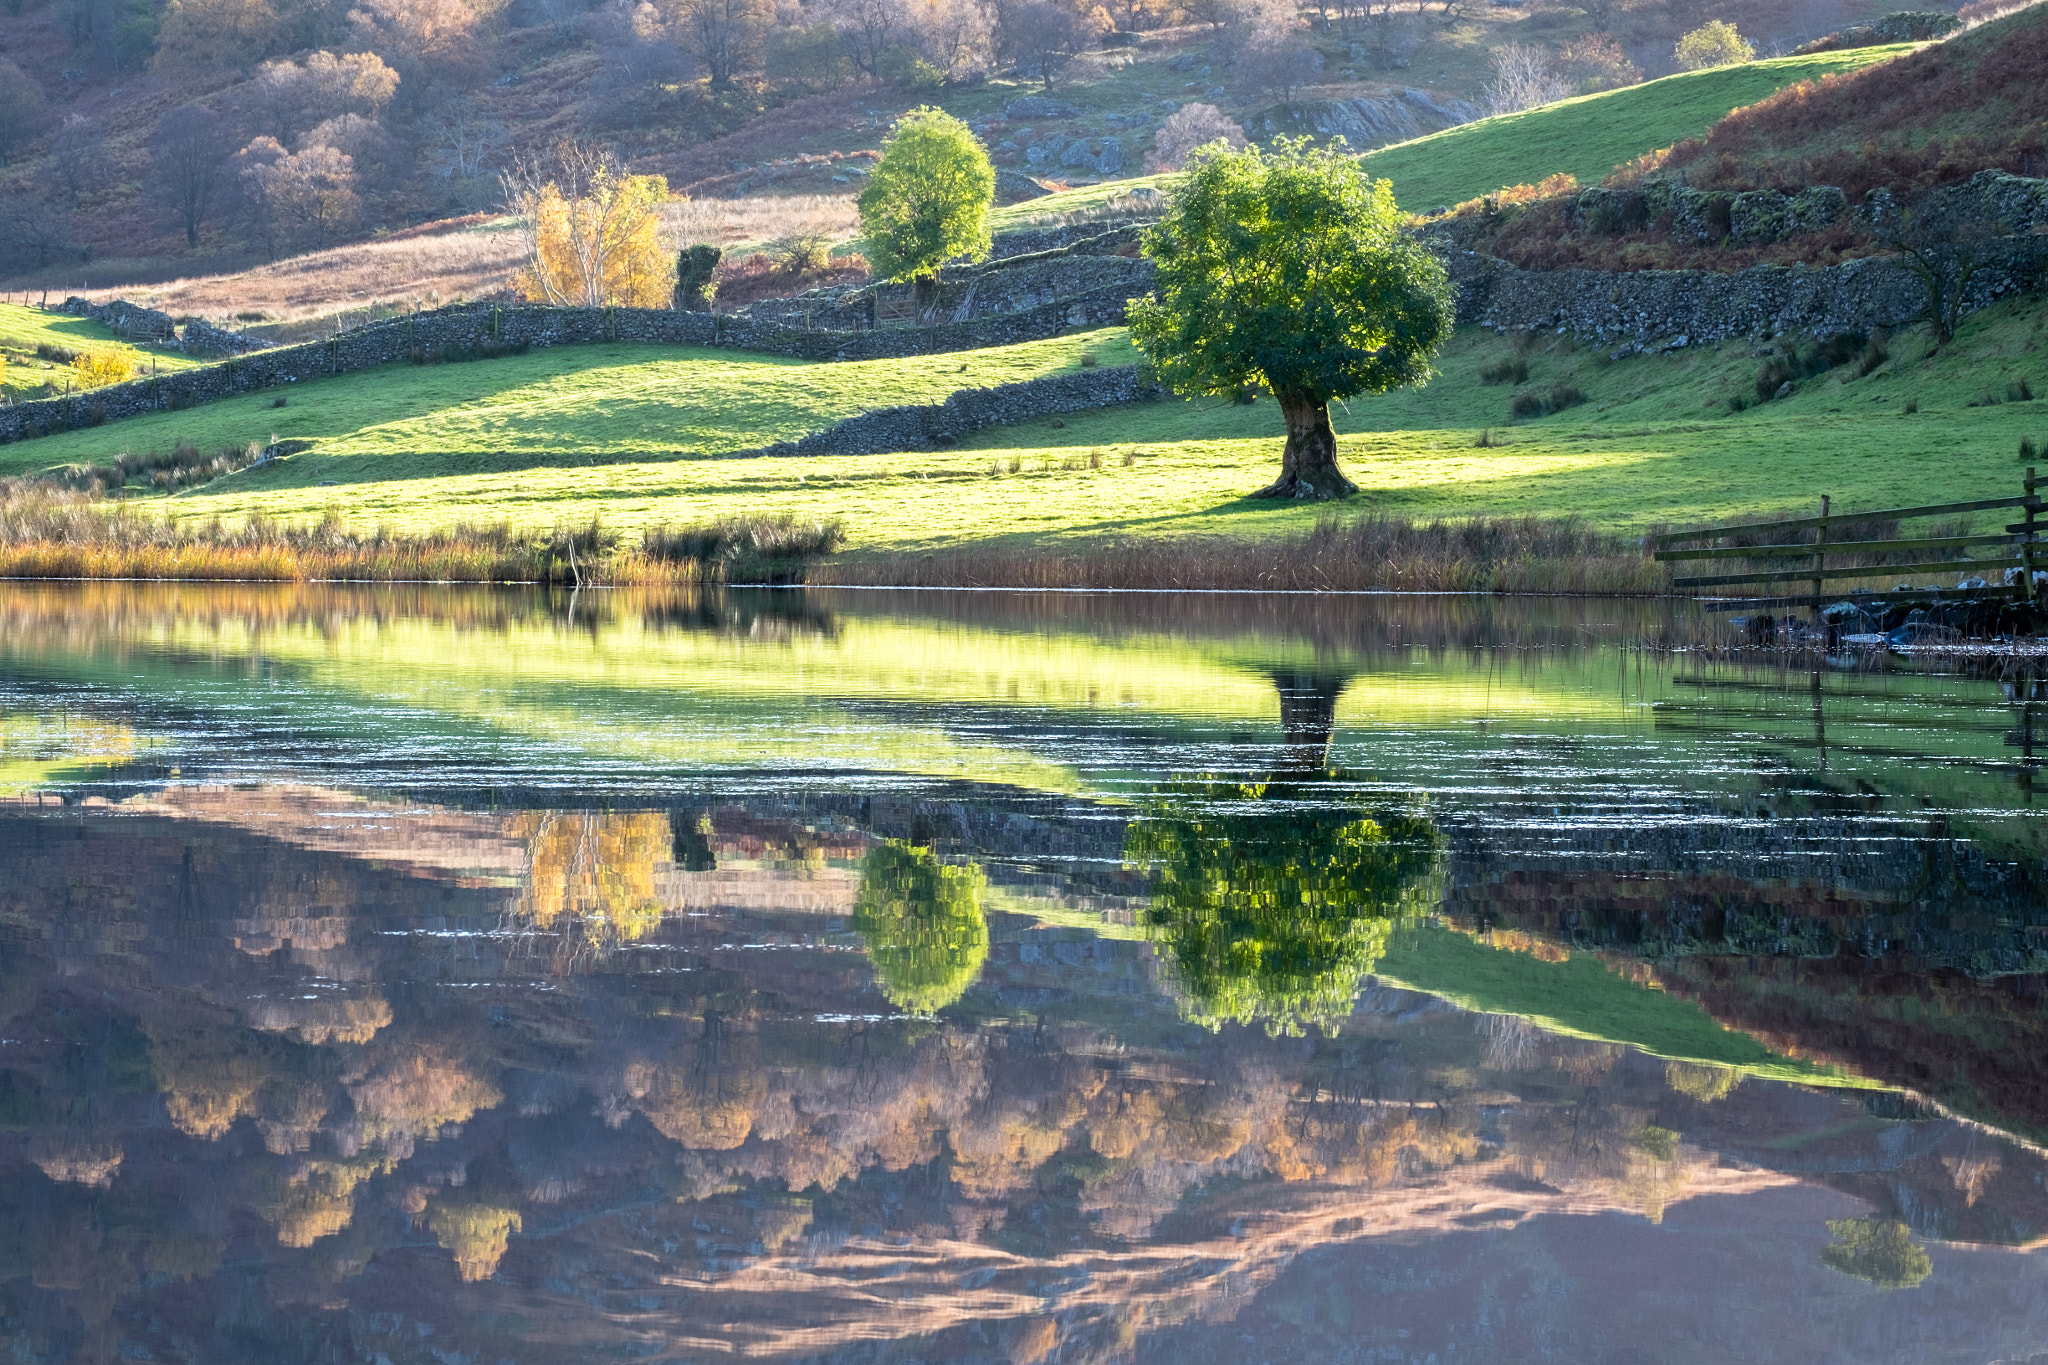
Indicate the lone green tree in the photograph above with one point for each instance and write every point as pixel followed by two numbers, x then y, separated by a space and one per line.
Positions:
pixel 1272 897
pixel 923 925
pixel 1287 269
pixel 928 200
pixel 1879 1250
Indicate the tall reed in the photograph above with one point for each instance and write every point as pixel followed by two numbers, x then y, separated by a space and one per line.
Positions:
pixel 1374 551
pixel 54 532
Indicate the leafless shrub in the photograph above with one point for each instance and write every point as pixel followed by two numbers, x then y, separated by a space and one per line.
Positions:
pixel 1522 79
pixel 1189 127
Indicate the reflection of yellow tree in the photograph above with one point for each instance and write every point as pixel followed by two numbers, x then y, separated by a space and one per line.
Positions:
pixel 209 1077
pixel 476 1233
pixel 318 1198
pixel 923 925
pixel 594 869
pixel 1879 1250
pixel 1703 1083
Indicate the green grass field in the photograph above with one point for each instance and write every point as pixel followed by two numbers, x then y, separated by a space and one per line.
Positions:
pixel 1586 137
pixel 576 431
pixel 23 329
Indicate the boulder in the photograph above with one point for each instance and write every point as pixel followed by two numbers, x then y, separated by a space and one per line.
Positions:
pixel 1014 187
pixel 1099 154
pixel 1037 107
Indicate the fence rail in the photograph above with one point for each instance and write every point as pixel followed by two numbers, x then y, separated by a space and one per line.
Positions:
pixel 2024 551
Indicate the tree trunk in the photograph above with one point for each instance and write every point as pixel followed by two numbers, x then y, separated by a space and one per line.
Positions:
pixel 1308 719
pixel 1308 467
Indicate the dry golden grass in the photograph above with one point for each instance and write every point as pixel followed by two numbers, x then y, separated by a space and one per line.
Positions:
pixel 48 531
pixel 468 258
pixel 756 221
pixel 1514 555
pixel 472 260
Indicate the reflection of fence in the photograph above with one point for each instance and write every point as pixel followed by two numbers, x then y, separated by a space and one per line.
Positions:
pixel 2015 554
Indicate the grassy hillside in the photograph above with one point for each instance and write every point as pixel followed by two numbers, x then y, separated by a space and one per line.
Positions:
pixel 1654 441
pixel 23 330
pixel 1938 115
pixel 1585 137
pixel 563 406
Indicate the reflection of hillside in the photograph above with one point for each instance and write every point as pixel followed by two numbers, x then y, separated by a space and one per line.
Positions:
pixel 708 1138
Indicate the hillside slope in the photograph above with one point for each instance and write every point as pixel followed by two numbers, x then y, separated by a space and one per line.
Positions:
pixel 1936 116
pixel 576 432
pixel 1587 137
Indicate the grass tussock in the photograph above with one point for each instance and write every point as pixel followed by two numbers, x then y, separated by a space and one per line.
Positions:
pixel 160 471
pixel 1533 555
pixel 52 532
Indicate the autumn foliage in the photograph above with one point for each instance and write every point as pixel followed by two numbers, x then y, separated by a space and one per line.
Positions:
pixel 592 233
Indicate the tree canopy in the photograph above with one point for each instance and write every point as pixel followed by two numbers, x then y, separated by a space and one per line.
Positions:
pixel 923 925
pixel 1270 911
pixel 1879 1250
pixel 927 201
pixel 1287 269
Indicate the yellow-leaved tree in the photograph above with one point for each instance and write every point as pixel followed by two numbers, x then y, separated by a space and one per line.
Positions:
pixel 592 231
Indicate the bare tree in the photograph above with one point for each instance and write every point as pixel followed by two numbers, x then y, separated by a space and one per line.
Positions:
pixel 1522 79
pixel 869 28
pixel 37 230
pixel 1278 65
pixel 463 139
pixel 21 109
pixel 188 155
pixel 722 35
pixel 1189 127
pixel 297 199
pixel 77 157
pixel 1946 238
pixel 1042 36
pixel 287 97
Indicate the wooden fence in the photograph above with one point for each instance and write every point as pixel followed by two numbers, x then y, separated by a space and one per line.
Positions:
pixel 1822 558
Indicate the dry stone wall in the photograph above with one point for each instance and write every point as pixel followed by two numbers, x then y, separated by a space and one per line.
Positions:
pixel 1667 309
pixel 456 333
pixel 930 426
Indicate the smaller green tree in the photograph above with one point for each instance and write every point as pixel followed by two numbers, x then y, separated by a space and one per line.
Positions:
pixel 1714 44
pixel 1288 268
pixel 928 200
pixel 1879 1250
pixel 923 925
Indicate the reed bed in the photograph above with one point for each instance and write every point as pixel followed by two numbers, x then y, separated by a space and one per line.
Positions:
pixel 1521 555
pixel 54 532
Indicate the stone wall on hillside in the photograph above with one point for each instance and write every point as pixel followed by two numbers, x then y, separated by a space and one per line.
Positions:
pixel 1649 309
pixel 930 426
pixel 1101 261
pixel 486 329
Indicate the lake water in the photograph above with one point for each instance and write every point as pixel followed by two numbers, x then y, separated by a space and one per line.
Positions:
pixel 428 975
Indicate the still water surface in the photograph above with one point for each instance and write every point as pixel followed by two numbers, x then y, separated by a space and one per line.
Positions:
pixel 416 975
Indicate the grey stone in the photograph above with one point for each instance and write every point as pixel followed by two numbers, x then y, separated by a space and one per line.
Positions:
pixel 1363 123
pixel 1038 106
pixel 1101 155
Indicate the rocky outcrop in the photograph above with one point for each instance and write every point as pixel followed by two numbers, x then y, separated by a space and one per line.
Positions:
pixel 1363 123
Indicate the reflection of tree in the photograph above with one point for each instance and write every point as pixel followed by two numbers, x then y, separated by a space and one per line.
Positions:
pixel 1274 897
pixel 923 925
pixel 1705 1083
pixel 1273 911
pixel 477 1233
pixel 594 869
pixel 1879 1250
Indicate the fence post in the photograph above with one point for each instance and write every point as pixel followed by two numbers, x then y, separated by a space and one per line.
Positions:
pixel 1820 554
pixel 2027 545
